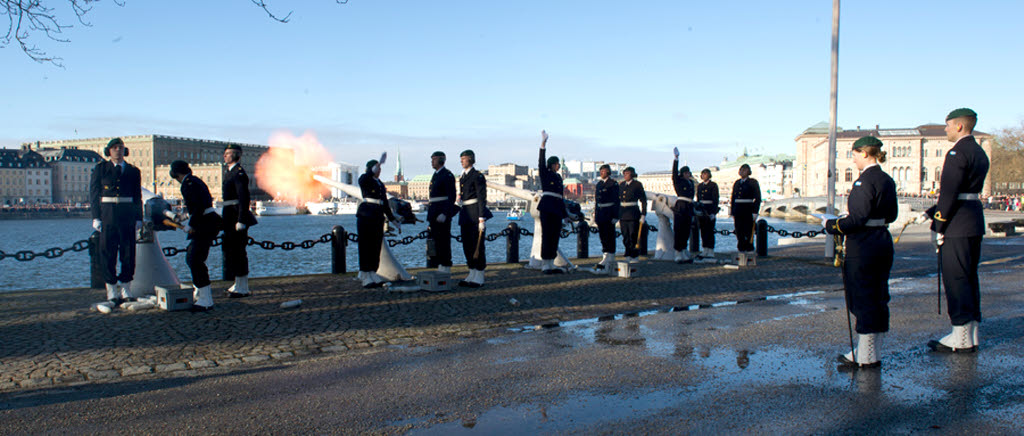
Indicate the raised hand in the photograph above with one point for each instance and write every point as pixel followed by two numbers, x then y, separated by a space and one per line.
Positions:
pixel 543 138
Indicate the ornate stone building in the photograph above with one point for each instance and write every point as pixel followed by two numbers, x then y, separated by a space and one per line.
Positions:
pixel 71 172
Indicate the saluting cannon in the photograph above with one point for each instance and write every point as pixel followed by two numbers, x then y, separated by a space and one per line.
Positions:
pixel 662 204
pixel 533 197
pixel 151 266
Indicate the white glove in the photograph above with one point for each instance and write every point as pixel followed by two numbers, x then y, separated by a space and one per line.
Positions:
pixel 441 218
pixel 482 226
pixel 138 225
pixel 170 215
pixel 543 138
pixel 938 239
pixel 187 229
pixel 922 218
pixel 675 152
pixel 642 219
pixel 824 223
pixel 383 157
pixel 97 224
pixel 239 227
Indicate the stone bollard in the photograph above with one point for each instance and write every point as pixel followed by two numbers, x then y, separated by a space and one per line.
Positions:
pixel 95 266
pixel 339 240
pixel 644 233
pixel 582 240
pixel 762 238
pixel 512 244
pixel 694 236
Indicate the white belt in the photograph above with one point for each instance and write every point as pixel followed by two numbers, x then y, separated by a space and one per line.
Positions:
pixel 550 194
pixel 686 199
pixel 469 202
pixel 230 203
pixel 438 199
pixel 115 199
pixel 629 204
pixel 707 202
pixel 744 200
pixel 210 210
pixel 876 222
pixel 969 196
pixel 373 200
pixel 605 204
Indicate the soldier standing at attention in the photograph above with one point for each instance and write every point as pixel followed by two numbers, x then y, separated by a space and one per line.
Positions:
pixel 871 206
pixel 633 209
pixel 203 226
pixel 115 195
pixel 551 207
pixel 682 211
pixel 958 224
pixel 473 219
pixel 606 214
pixel 370 219
pixel 237 220
pixel 746 202
pixel 707 197
pixel 441 210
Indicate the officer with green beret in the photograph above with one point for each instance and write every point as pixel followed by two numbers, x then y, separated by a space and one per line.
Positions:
pixel 632 212
pixel 370 218
pixel 871 206
pixel 473 219
pixel 237 220
pixel 203 226
pixel 958 224
pixel 551 208
pixel 115 193
pixel 440 211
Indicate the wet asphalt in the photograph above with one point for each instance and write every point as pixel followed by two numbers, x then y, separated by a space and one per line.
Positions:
pixel 753 367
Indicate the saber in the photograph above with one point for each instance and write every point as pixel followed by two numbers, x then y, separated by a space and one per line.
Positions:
pixel 170 223
pixel 938 300
pixel 479 239
pixel 905 225
pixel 840 261
pixel 639 233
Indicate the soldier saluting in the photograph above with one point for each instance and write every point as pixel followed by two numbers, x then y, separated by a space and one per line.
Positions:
pixel 958 224
pixel 203 225
pixel 746 202
pixel 633 209
pixel 370 217
pixel 441 210
pixel 606 214
pixel 237 220
pixel 682 211
pixel 551 207
pixel 473 219
pixel 115 194
pixel 707 197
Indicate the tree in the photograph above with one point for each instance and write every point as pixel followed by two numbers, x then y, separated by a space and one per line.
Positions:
pixel 1007 158
pixel 35 18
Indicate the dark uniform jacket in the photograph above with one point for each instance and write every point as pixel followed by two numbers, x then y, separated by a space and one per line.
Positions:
pixel 748 189
pixel 371 188
pixel 105 182
pixel 872 198
pixel 198 201
pixel 632 192
pixel 963 172
pixel 551 182
pixel 684 190
pixel 472 185
pixel 442 184
pixel 708 192
pixel 607 193
pixel 236 187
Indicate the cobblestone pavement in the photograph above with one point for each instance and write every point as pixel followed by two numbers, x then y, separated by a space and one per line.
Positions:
pixel 52 338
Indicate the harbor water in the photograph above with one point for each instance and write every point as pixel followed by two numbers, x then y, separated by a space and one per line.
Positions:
pixel 72 269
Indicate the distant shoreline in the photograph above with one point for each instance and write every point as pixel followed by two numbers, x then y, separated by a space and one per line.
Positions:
pixel 43 214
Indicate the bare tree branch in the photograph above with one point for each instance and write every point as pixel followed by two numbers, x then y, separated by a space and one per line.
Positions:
pixel 263 5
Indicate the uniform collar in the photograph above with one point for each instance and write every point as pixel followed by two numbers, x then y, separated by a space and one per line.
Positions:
pixel 869 166
pixel 466 170
pixel 439 169
pixel 232 166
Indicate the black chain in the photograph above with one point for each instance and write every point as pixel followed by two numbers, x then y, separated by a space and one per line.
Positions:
pixel 796 234
pixel 49 253
pixel 408 239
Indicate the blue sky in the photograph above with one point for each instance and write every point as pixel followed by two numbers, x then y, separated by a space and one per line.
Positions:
pixel 617 81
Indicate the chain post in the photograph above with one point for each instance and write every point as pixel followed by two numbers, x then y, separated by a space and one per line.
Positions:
pixel 583 240
pixel 512 244
pixel 95 266
pixel 339 241
pixel 762 238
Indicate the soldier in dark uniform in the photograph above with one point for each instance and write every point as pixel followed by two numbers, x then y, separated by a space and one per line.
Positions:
pixel 871 206
pixel 632 212
pixel 606 215
pixel 237 220
pixel 115 194
pixel 958 224
pixel 746 202
pixel 473 219
pixel 370 219
pixel 551 207
pixel 203 225
pixel 707 197
pixel 682 211
pixel 440 211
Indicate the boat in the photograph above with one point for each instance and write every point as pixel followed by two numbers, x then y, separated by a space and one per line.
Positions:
pixel 514 215
pixel 322 207
pixel 347 208
pixel 274 208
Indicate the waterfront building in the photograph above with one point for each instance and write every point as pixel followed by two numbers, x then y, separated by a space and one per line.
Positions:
pixel 25 178
pixel 419 187
pixel 341 172
pixel 914 158
pixel 773 173
pixel 210 173
pixel 71 170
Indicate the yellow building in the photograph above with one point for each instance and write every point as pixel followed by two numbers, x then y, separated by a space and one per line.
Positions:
pixel 71 172
pixel 25 178
pixel 211 174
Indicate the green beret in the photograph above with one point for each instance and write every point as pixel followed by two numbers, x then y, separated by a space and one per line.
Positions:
pixel 370 164
pixel 867 141
pixel 552 160
pixel 684 169
pixel 233 147
pixel 180 167
pixel 605 167
pixel 630 169
pixel 962 112
pixel 115 142
pixel 437 154
pixel 468 153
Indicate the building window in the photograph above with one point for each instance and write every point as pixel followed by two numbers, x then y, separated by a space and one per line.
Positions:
pixel 938 175
pixel 849 175
pixel 924 174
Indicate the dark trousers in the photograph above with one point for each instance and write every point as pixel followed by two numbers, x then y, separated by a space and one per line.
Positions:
pixel 551 229
pixel 681 222
pixel 959 257
pixel 744 231
pixel 195 256
pixel 371 237
pixel 707 231
pixel 866 280
pixel 630 232
pixel 441 235
pixel 236 260
pixel 606 231
pixel 474 259
pixel 117 243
